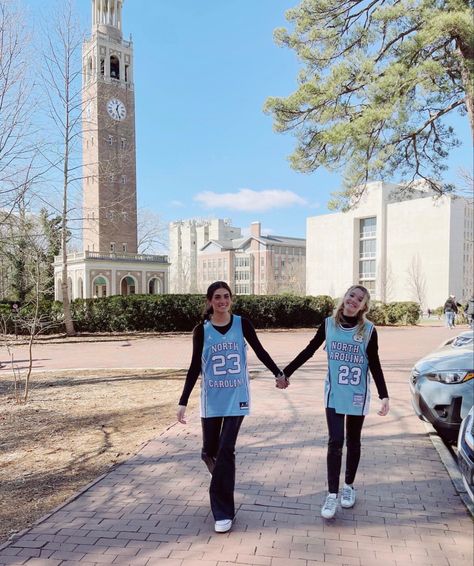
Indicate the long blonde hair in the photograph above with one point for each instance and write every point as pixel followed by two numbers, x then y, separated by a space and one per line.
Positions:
pixel 361 318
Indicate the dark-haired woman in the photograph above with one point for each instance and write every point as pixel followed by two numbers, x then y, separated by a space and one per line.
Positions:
pixel 219 355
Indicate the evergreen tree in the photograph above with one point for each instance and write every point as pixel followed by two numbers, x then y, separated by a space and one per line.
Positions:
pixel 379 79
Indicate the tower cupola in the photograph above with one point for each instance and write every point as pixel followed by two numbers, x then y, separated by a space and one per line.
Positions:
pixel 107 16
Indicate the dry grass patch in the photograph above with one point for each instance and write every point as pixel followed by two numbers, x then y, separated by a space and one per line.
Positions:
pixel 76 425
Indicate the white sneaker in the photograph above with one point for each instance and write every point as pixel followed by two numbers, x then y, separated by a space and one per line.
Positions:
pixel 328 510
pixel 223 526
pixel 348 497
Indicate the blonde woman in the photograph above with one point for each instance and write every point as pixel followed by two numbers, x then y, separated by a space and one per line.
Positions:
pixel 352 350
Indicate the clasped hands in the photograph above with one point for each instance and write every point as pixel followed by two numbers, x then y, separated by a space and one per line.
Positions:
pixel 281 381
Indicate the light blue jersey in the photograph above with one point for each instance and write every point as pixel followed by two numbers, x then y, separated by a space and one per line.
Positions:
pixel 347 385
pixel 225 388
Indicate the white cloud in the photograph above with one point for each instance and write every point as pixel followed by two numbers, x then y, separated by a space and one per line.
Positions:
pixel 177 203
pixel 248 200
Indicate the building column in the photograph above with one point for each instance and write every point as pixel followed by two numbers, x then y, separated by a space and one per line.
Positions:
pixel 113 282
pixel 87 282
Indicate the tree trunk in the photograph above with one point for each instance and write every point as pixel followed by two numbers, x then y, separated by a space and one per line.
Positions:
pixel 68 322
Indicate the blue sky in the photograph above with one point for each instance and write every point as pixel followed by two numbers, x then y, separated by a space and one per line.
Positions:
pixel 203 70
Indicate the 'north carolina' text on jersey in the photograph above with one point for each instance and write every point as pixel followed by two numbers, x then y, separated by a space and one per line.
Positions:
pixel 347 385
pixel 225 388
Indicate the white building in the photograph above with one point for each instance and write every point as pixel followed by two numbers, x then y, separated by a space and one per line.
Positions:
pixel 402 246
pixel 186 238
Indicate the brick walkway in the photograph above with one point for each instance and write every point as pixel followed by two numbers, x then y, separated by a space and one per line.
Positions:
pixel 153 509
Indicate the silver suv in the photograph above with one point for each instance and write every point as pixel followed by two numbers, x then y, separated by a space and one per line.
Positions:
pixel 442 385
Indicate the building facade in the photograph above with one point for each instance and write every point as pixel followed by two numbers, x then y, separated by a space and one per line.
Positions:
pixel 204 252
pixel 403 246
pixel 186 238
pixel 109 263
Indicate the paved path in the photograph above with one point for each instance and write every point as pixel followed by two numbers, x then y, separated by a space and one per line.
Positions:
pixel 153 509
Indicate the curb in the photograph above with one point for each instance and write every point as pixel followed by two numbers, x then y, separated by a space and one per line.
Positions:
pixel 451 466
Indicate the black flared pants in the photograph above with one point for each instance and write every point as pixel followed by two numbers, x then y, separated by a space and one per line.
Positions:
pixel 218 453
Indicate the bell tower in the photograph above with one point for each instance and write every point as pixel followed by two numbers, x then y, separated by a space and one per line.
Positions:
pixel 109 263
pixel 109 184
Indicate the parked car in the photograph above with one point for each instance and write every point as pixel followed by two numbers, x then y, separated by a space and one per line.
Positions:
pixel 463 339
pixel 442 385
pixel 466 453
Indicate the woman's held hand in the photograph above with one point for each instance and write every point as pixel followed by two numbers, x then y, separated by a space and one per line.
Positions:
pixel 281 381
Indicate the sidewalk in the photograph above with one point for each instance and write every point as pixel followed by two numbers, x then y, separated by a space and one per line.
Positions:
pixel 154 510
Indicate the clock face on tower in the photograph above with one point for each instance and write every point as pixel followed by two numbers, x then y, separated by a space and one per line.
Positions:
pixel 116 109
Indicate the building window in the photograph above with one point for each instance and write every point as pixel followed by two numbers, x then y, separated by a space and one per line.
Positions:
pixel 367 248
pixel 100 287
pixel 242 289
pixel 123 180
pixel 242 261
pixel 369 285
pixel 368 227
pixel 367 253
pixel 124 246
pixel 128 286
pixel 114 67
pixel 123 143
pixel 154 286
pixel 367 269
pixel 112 247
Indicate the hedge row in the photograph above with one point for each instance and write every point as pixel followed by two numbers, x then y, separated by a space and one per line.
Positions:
pixel 383 314
pixel 172 313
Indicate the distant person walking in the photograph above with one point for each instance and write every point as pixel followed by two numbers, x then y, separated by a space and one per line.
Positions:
pixel 469 310
pixel 352 350
pixel 450 311
pixel 219 355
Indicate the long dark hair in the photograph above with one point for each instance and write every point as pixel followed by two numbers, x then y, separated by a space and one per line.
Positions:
pixel 208 310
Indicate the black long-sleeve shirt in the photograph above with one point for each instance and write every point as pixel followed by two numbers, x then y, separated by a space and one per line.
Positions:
pixel 198 341
pixel 372 355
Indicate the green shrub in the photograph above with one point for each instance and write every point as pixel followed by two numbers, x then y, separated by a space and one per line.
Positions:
pixel 406 313
pixel 180 313
pixel 283 311
pixel 376 313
